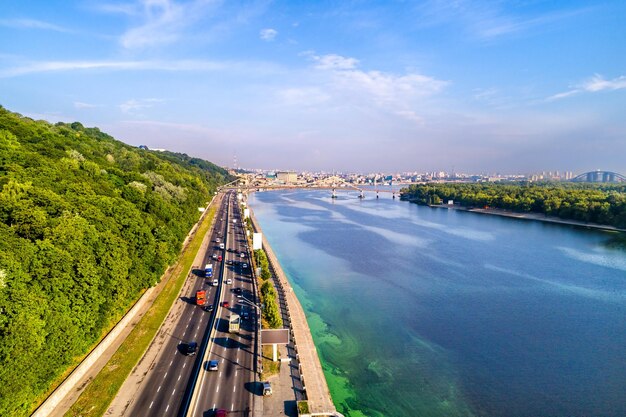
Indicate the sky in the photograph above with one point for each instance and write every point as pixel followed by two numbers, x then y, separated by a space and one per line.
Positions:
pixel 477 86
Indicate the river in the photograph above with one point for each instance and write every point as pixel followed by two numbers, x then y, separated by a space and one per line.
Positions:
pixel 418 311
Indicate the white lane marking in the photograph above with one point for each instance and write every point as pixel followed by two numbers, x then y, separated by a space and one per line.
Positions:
pixel 184 364
pixel 164 375
pixel 159 388
pixel 235 373
pixel 235 388
pixel 174 391
pixel 167 408
pixel 151 404
pixel 217 389
pixel 195 335
pixel 232 406
pixel 178 378
pixel 220 374
pixel 171 362
pixel 214 406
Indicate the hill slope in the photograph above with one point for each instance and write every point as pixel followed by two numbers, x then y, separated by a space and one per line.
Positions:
pixel 86 223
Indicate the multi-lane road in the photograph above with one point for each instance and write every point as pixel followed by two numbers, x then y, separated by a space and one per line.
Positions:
pixel 167 391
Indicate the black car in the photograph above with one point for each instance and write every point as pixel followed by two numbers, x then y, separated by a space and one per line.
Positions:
pixel 237 290
pixel 208 307
pixel 191 349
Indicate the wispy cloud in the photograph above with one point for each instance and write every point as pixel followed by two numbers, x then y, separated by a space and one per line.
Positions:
pixel 59 66
pixel 80 105
pixel 592 85
pixel 268 34
pixel 334 62
pixel 32 24
pixel 487 20
pixel 162 22
pixel 384 86
pixel 133 105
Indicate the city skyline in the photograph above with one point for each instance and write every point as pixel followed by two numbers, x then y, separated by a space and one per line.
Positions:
pixel 513 87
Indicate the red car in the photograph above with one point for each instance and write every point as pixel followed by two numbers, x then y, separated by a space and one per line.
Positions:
pixel 219 258
pixel 221 413
pixel 225 304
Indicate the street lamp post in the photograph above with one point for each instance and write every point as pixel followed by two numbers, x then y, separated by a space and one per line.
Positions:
pixel 259 321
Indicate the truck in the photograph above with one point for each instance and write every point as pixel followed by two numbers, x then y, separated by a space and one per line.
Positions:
pixel 234 321
pixel 208 270
pixel 200 297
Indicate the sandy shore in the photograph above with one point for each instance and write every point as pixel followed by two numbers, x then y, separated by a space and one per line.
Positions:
pixel 532 216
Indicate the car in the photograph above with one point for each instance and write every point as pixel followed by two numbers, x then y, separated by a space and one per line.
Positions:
pixel 267 388
pixel 191 348
pixel 244 265
pixel 229 262
pixel 219 258
pixel 245 315
pixel 237 290
pixel 208 307
pixel 215 282
pixel 217 240
pixel 215 256
pixel 243 255
pixel 225 304
pixel 229 281
pixel 221 413
pixel 213 365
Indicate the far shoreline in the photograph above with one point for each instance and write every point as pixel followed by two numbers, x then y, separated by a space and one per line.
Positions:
pixel 529 216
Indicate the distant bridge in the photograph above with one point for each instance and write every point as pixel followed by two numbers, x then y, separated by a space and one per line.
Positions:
pixel 333 183
pixel 599 176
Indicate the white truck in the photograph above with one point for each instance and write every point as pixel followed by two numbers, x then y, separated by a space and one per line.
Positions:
pixel 234 322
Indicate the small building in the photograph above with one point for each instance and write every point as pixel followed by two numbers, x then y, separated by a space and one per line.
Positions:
pixel 287 177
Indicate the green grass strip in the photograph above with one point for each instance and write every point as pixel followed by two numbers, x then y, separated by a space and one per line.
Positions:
pixel 99 394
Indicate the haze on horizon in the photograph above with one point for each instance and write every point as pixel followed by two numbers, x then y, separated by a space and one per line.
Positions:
pixel 362 86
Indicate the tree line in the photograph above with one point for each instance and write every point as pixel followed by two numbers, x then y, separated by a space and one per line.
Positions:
pixel 87 223
pixel 271 313
pixel 587 202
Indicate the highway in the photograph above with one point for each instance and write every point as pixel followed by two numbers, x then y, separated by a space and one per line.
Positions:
pixel 167 388
pixel 231 386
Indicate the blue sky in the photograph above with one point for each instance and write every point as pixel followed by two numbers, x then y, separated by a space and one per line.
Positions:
pixel 478 86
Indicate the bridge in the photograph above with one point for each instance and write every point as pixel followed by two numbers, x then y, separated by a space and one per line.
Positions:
pixel 333 183
pixel 599 176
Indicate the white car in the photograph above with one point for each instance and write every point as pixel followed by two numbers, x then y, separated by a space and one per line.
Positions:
pixel 243 255
pixel 215 256
pixel 229 281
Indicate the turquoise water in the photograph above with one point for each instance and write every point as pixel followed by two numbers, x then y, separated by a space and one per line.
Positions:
pixel 433 312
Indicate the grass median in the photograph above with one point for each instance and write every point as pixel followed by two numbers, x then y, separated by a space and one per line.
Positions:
pixel 96 398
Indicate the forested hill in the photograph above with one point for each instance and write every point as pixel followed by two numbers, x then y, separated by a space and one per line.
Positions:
pixel 587 202
pixel 86 223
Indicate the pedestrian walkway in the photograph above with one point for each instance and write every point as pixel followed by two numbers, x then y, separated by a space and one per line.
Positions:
pixel 311 373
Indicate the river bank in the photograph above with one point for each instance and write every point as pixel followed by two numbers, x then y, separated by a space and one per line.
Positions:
pixel 529 216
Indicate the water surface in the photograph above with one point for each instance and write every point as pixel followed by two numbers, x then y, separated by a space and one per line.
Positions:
pixel 433 312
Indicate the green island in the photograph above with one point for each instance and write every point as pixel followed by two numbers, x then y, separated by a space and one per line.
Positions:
pixel 87 223
pixel 603 204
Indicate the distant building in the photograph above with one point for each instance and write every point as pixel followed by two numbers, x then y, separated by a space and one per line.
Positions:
pixel 287 177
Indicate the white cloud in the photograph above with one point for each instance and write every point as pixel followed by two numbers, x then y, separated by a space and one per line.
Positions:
pixel 486 19
pixel 182 65
pixel 334 62
pixel 305 96
pixel 592 85
pixel 32 24
pixel 598 83
pixel 81 105
pixel 268 34
pixel 163 21
pixel 131 106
